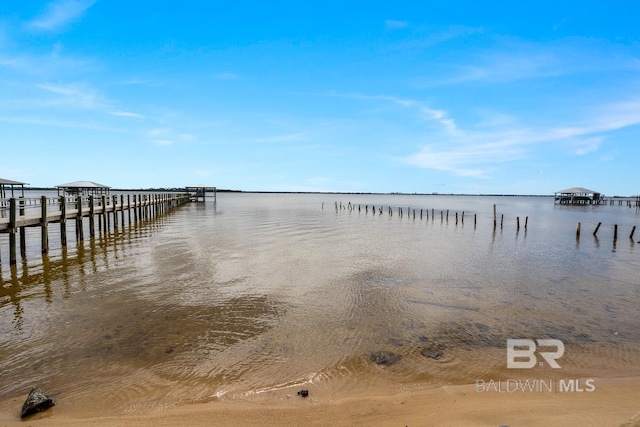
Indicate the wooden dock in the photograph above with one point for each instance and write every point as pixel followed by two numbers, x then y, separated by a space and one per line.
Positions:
pixel 20 213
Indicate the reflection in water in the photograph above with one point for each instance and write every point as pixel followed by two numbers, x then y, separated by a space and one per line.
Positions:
pixel 266 292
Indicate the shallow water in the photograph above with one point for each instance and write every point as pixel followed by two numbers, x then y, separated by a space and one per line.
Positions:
pixel 259 295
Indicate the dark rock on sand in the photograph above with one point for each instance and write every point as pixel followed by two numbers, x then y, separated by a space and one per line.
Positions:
pixel 433 351
pixel 37 401
pixel 385 358
pixel 303 393
pixel 433 354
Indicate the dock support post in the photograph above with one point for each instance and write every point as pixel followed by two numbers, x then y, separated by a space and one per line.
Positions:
pixel 92 220
pixel 615 232
pixel 105 215
pixel 12 231
pixel 114 200
pixel 63 221
pixel 44 226
pixel 129 207
pixel 122 210
pixel 79 225
pixel 633 230
pixel 23 237
pixel 578 231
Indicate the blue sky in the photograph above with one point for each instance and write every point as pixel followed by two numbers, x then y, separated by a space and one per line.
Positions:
pixel 423 96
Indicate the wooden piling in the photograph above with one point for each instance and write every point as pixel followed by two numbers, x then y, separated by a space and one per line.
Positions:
pixel 63 221
pixel 23 236
pixel 79 225
pixel 633 230
pixel 597 228
pixel 495 219
pixel 518 222
pixel 92 221
pixel 578 230
pixel 114 200
pixel 456 218
pixel 501 221
pixel 105 216
pixel 44 226
pixel 526 222
pixel 13 259
pixel 615 232
pixel 122 210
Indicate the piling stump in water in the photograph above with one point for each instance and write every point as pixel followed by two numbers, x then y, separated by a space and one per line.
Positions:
pixel 597 228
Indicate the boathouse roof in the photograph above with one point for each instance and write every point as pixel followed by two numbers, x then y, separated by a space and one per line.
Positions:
pixel 4 183
pixel 83 188
pixel 577 190
pixel 10 182
pixel 82 184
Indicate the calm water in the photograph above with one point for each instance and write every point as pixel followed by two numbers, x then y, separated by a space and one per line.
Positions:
pixel 259 295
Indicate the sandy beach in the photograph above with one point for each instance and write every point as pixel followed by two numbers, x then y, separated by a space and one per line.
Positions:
pixel 614 402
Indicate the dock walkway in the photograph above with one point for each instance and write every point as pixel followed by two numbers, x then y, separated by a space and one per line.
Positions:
pixel 16 214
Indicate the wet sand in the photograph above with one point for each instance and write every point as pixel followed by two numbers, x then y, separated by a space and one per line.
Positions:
pixel 615 402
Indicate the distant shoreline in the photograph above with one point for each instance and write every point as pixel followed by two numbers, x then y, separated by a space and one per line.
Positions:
pixel 223 190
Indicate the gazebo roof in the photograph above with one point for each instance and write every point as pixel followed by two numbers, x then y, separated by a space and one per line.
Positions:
pixel 10 182
pixel 577 190
pixel 82 184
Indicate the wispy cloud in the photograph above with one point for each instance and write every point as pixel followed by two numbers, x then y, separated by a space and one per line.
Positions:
pixel 168 136
pixel 59 14
pixel 474 153
pixel 74 94
pixel 127 114
pixel 424 110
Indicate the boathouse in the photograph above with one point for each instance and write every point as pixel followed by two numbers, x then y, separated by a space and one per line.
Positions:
pixel 578 196
pixel 199 191
pixel 83 188
pixel 8 184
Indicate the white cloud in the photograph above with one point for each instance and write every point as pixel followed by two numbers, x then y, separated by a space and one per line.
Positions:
pixel 474 153
pixel 127 114
pixel 427 113
pixel 58 14
pixel 74 94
